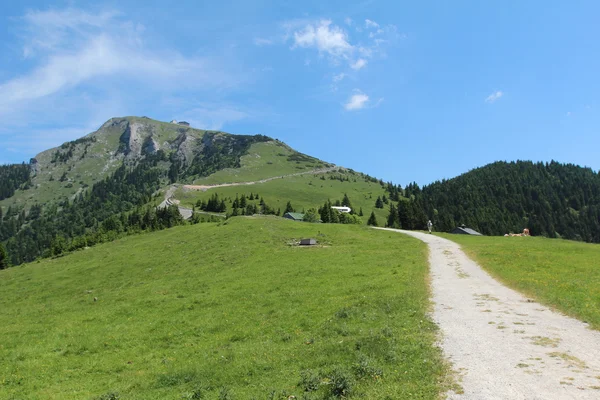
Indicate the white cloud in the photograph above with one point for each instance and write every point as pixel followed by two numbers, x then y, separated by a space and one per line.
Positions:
pixel 494 96
pixel 348 21
pixel 325 37
pixel 357 101
pixel 83 68
pixel 263 42
pixel 78 47
pixel 334 42
pixel 339 77
pixel 360 63
pixel 371 24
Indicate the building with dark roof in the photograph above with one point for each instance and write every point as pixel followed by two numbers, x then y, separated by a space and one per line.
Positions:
pixel 294 216
pixel 463 230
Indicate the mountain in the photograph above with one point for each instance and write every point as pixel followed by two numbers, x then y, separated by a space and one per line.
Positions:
pixel 65 171
pixel 550 199
pixel 108 184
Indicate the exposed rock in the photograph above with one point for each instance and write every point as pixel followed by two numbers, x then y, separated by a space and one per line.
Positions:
pixel 150 146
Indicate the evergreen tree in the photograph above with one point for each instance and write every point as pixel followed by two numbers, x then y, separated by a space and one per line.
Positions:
pixel 346 201
pixel 392 221
pixel 288 207
pixel 360 213
pixel 378 202
pixel 325 212
pixel 372 219
pixel 404 217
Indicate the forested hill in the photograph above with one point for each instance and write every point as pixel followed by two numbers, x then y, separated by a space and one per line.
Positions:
pixel 551 199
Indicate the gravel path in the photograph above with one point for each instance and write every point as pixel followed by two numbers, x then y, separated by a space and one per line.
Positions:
pixel 502 344
pixel 206 187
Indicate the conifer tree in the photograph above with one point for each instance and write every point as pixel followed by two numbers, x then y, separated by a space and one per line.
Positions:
pixel 360 213
pixel 288 207
pixel 324 211
pixel 392 221
pixel 404 214
pixel 372 219
pixel 346 201
pixel 378 202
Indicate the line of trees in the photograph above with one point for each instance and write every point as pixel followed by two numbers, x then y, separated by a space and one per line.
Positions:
pixel 551 199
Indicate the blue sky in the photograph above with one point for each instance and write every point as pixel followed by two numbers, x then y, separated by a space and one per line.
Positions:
pixel 405 91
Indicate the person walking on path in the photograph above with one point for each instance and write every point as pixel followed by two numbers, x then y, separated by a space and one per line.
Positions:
pixel 429 225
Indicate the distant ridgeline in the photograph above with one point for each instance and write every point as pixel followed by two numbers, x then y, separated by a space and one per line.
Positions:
pixel 117 205
pixel 551 199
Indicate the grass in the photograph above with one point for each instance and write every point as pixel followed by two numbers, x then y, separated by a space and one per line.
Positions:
pixel 264 160
pixel 304 192
pixel 559 273
pixel 227 311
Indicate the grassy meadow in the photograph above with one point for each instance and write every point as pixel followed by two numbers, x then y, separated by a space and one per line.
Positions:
pixel 304 192
pixel 224 311
pixel 560 273
pixel 265 160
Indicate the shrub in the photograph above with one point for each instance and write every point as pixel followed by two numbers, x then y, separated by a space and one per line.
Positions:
pixel 341 383
pixel 309 381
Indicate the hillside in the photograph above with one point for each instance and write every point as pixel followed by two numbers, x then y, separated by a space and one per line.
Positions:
pixel 107 184
pixel 228 311
pixel 551 199
pixel 67 170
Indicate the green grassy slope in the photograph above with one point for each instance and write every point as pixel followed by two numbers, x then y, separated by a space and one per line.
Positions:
pixel 229 311
pixel 304 192
pixel 265 160
pixel 559 273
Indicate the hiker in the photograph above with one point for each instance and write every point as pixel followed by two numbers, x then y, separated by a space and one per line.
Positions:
pixel 429 225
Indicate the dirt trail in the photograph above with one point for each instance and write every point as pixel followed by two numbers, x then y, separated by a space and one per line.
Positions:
pixel 206 187
pixel 502 344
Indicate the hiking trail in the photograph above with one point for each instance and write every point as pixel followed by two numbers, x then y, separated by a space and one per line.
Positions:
pixel 502 344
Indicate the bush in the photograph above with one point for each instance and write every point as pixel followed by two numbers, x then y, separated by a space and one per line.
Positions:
pixel 309 381
pixel 341 383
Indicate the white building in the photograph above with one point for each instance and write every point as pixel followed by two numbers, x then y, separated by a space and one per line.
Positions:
pixel 342 209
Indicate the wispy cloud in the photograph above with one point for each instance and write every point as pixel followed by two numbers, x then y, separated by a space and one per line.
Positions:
pixel 74 47
pixel 326 38
pixel 98 59
pixel 263 41
pixel 356 102
pixel 360 63
pixel 334 42
pixel 371 24
pixel 339 77
pixel 494 96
